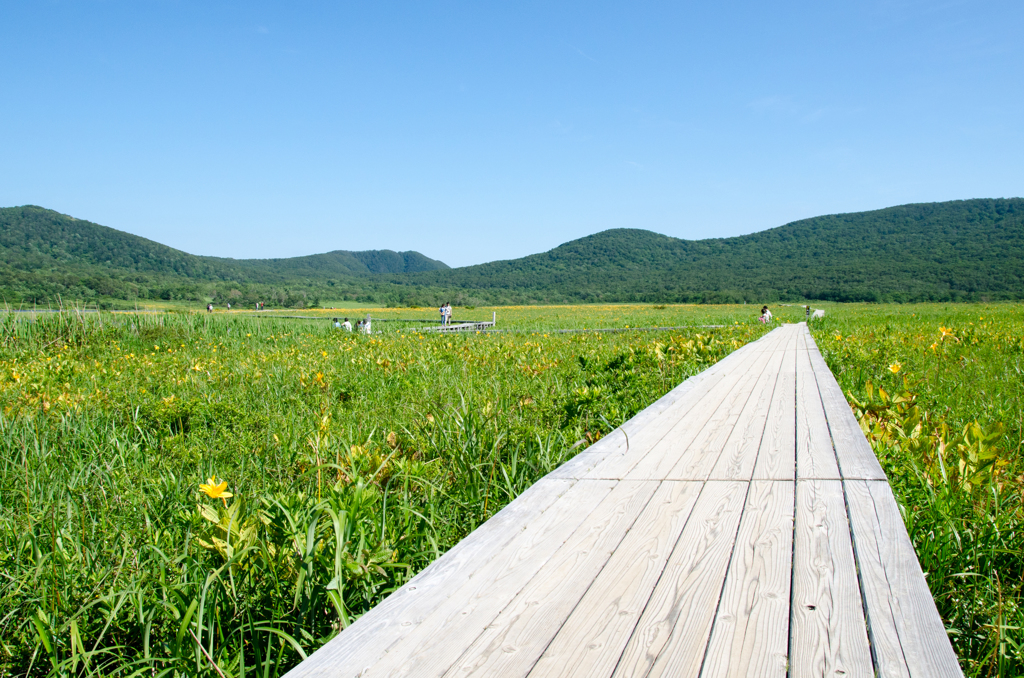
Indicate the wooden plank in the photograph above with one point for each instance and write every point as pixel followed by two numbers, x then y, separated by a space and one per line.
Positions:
pixel 462 617
pixel 400 613
pixel 647 428
pixel 815 457
pixel 660 416
pixel 854 454
pixel 579 558
pixel 695 429
pixel 750 636
pixel 923 635
pixel 907 633
pixel 776 456
pixel 700 457
pixel 672 634
pixel 738 456
pixel 512 644
pixel 706 395
pixel 827 628
pixel 591 639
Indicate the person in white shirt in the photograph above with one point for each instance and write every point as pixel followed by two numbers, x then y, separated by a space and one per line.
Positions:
pixel 766 315
pixel 347 326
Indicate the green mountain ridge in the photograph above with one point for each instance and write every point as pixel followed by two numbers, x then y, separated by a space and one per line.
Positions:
pixel 48 254
pixel 958 250
pixel 35 236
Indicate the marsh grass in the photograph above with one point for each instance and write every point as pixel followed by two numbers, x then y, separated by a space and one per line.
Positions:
pixel 353 461
pixel 939 390
pixel 356 461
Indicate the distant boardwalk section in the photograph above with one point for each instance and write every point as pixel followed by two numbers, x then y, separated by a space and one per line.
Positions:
pixel 739 526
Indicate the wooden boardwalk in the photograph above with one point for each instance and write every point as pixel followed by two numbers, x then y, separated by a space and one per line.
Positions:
pixel 739 526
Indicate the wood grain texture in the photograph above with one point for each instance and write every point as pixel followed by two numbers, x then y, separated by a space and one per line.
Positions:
pixel 750 636
pixel 370 637
pixel 700 457
pixel 739 454
pixel 591 639
pixel 683 418
pixel 636 438
pixel 856 458
pixel 673 631
pixel 815 458
pixel 467 611
pixel 647 426
pixel 658 461
pixel 512 643
pixel 776 456
pixel 906 631
pixel 587 574
pixel 827 629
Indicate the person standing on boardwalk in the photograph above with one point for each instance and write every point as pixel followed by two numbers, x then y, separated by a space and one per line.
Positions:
pixel 442 312
pixel 807 312
pixel 448 313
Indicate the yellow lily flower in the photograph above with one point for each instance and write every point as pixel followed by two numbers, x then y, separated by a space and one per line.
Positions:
pixel 215 490
pixel 895 367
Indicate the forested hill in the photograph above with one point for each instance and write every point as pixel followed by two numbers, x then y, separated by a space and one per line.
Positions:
pixel 952 250
pixel 46 254
pixel 35 237
pixel 970 249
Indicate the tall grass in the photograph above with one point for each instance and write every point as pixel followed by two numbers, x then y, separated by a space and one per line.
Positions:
pixel 353 462
pixel 939 390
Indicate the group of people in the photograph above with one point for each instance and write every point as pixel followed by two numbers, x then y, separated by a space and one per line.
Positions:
pixel 209 307
pixel 362 326
pixel 446 314
pixel 766 315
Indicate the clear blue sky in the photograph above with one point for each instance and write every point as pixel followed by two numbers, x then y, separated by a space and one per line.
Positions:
pixel 474 131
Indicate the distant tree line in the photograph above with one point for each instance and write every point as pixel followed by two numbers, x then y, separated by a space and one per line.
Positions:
pixel 955 251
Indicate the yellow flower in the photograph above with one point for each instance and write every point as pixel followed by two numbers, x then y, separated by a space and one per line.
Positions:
pixel 215 490
pixel 895 367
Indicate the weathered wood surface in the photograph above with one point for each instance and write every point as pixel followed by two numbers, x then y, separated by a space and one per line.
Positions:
pixel 740 526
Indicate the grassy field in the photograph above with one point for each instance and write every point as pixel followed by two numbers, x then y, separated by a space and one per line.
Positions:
pixel 352 461
pixel 939 390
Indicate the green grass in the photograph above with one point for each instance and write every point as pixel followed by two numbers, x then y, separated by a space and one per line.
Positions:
pixel 939 390
pixel 355 461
